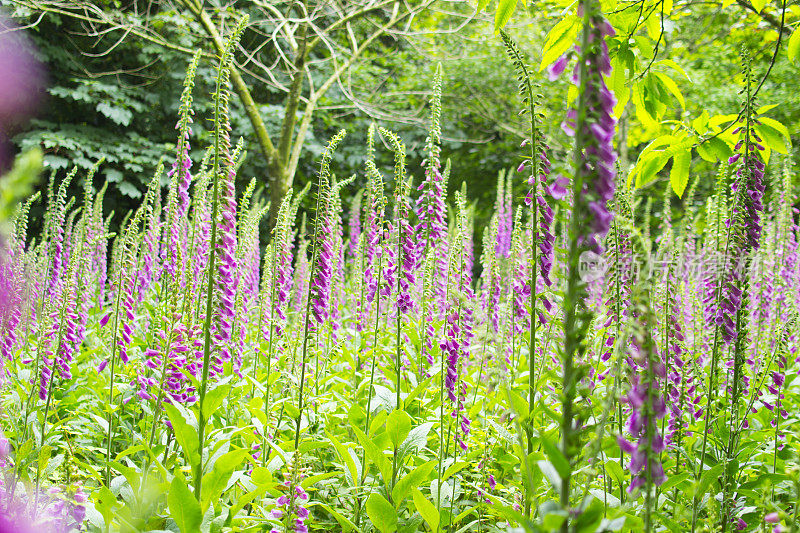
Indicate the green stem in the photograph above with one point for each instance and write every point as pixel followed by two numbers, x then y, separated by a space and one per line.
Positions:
pixel 212 264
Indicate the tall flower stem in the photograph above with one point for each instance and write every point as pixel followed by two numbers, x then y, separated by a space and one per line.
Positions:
pixel 730 246
pixel 373 358
pixel 306 326
pixel 220 100
pixel 574 289
pixel 110 434
pixel 317 267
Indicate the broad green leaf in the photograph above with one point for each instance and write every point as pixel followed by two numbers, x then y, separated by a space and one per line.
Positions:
pixel 758 5
pixel 411 480
pixel 184 434
pixel 619 84
pixel 556 458
pixel 215 482
pixel 382 513
pixel 553 519
pixel 246 498
pixel 344 522
pixel 214 399
pixel 398 425
pixel 793 48
pixel 183 507
pixel 44 456
pixel 774 124
pixel 316 478
pixel 454 468
pixel 642 112
pixel 427 510
pixel 551 474
pixel 672 87
pixel 700 124
pixel 559 40
pixel 374 455
pixel 132 475
pixel 708 477
pixel 117 115
pixel 261 475
pixel 772 138
pixel 105 502
pixel 679 174
pixel 503 14
pixel 519 405
pixel 675 480
pixel 291 410
pixel 344 454
pixel 418 436
pixel 590 518
pixel 714 149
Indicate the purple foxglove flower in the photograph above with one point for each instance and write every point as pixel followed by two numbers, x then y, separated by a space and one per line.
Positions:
pixel 555 70
pixel 227 278
pixel 22 85
pixel 598 156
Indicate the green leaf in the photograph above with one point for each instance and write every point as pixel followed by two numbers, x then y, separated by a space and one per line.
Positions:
pixel 672 87
pixel 642 113
pixel 519 405
pixel 348 460
pixel 679 174
pixel 618 83
pixel 556 458
pixel 374 454
pixel 183 507
pixel 246 498
pixel 673 65
pixel 550 473
pixel 291 410
pixel 671 525
pixel 708 477
pixel 418 437
pixel 185 434
pixel 44 456
pixel 129 189
pixel 411 480
pixel 559 40
pixel 758 5
pixel 675 480
pixel 774 134
pixel 482 5
pixel 261 475
pixel 215 482
pixel 118 115
pixel 700 124
pixel 454 468
pixel 427 510
pixel 398 425
pixel 793 49
pixel 105 502
pixel 503 14
pixel 344 522
pixel 382 513
pixel 214 399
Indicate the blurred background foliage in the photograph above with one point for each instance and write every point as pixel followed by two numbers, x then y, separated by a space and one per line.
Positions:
pixel 115 95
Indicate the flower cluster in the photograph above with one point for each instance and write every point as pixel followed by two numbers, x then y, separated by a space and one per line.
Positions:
pixel 290 507
pixel 646 403
pixel 597 164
